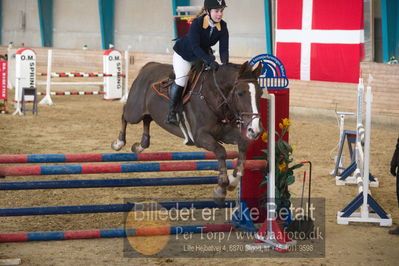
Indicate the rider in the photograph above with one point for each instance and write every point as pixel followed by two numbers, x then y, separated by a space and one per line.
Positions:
pixel 395 172
pixel 205 31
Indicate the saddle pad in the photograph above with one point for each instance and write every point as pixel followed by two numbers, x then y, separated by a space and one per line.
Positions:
pixel 162 87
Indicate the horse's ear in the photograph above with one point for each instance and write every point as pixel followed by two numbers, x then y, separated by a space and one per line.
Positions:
pixel 258 70
pixel 243 69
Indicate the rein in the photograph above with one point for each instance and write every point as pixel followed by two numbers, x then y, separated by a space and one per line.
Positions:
pixel 238 116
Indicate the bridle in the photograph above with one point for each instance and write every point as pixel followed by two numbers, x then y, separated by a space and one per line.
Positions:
pixel 238 116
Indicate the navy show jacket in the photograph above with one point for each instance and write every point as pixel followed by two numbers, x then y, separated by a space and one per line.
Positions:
pixel 196 44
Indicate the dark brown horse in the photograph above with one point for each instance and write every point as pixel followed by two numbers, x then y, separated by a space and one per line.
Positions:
pixel 221 104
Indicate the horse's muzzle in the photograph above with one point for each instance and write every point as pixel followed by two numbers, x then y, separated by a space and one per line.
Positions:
pixel 253 127
pixel 253 132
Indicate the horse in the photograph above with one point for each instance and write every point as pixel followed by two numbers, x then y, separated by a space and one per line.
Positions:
pixel 222 105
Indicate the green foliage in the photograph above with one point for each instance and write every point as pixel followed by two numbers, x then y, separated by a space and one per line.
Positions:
pixel 284 170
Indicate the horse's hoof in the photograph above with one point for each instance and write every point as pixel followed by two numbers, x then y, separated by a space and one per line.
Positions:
pixel 117 145
pixel 233 182
pixel 219 195
pixel 137 148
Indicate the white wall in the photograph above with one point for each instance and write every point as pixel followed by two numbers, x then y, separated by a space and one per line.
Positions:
pixel 147 26
pixel 246 23
pixel 76 23
pixel 14 13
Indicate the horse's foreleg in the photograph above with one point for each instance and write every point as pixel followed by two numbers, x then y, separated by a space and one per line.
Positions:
pixel 209 143
pixel 233 136
pixel 219 193
pixel 238 172
pixel 145 138
pixel 121 141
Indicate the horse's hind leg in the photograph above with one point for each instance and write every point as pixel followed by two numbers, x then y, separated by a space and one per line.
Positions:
pixel 145 138
pixel 121 141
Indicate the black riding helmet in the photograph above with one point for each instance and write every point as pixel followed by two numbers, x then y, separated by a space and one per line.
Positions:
pixel 211 4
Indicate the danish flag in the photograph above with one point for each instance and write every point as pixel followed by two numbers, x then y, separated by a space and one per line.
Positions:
pixel 320 40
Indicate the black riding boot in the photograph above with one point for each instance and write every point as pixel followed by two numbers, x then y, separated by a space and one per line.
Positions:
pixel 175 95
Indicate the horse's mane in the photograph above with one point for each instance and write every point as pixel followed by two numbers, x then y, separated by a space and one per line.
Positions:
pixel 233 69
pixel 232 65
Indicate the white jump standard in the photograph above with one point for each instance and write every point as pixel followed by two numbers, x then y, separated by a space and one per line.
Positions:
pixel 112 74
pixel 26 77
pixel 339 159
pixel 348 176
pixel 363 200
pixel 271 237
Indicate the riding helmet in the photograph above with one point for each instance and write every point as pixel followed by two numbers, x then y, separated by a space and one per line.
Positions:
pixel 211 4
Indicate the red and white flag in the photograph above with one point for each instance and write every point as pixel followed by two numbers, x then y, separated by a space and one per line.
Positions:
pixel 320 39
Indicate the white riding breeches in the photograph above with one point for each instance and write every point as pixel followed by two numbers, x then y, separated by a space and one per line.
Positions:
pixel 181 68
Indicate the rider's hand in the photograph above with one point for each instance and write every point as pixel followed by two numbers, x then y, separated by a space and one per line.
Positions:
pixel 214 66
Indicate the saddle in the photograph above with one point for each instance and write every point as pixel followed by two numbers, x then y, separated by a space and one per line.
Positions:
pixel 162 87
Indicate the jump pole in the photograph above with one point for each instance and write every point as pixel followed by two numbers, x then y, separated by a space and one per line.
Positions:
pixel 108 157
pixel 121 168
pixel 73 93
pixel 97 183
pixel 106 208
pixel 113 233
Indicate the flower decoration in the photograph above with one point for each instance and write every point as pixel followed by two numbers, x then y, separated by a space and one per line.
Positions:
pixel 284 168
pixel 265 136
